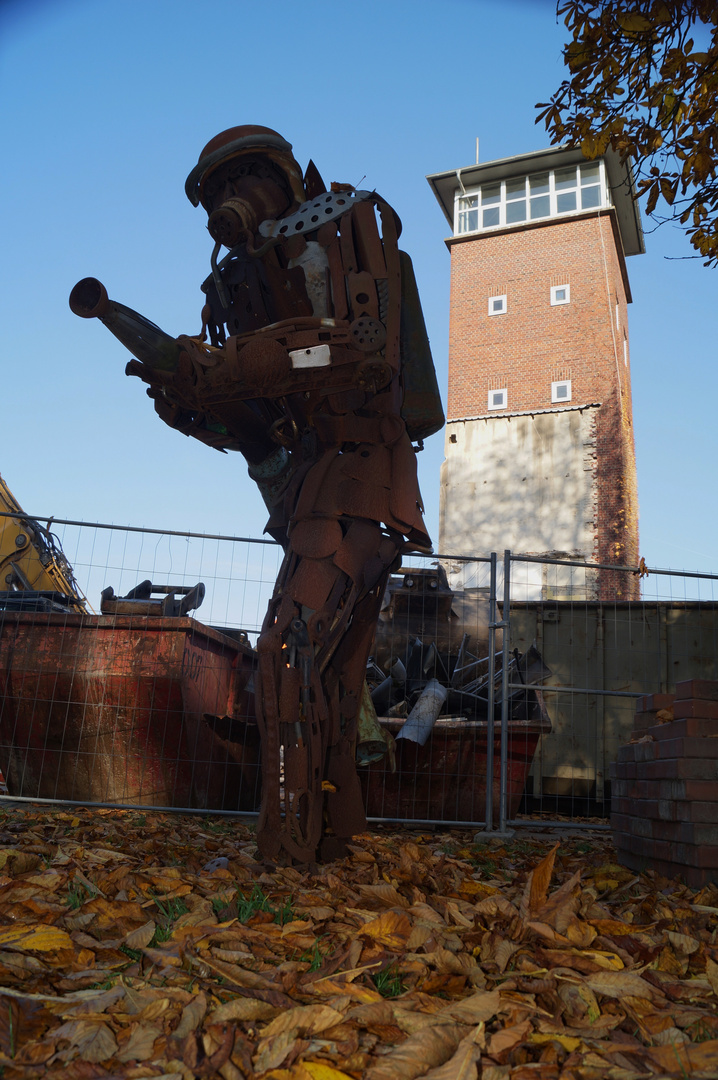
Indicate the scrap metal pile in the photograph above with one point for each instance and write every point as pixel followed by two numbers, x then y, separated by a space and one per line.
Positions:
pixel 431 656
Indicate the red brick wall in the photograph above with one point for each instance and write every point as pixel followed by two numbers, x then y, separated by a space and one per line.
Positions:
pixel 534 344
pixel 664 786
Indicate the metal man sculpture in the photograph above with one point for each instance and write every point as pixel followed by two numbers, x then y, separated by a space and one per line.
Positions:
pixel 318 371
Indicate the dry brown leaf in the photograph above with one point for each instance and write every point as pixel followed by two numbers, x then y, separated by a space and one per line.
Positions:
pixel 137 939
pixel 618 984
pixel 506 1038
pixel 242 1009
pixel 274 1051
pixel 93 1041
pixel 684 944
pixel 309 1019
pixel 192 1016
pixel 477 1009
pixel 425 1050
pixel 383 895
pixel 537 884
pixel 463 1065
pixel 141 1043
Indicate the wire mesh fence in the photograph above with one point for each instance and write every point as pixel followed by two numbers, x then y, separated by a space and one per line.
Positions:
pixel 503 686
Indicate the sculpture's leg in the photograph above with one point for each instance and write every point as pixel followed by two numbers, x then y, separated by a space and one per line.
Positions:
pixel 312 660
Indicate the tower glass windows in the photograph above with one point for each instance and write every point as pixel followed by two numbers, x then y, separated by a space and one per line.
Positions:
pixel 532 198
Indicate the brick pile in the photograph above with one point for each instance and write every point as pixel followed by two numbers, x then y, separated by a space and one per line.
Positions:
pixel 664 786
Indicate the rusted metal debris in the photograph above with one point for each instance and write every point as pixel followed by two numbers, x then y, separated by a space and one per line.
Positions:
pixel 318 370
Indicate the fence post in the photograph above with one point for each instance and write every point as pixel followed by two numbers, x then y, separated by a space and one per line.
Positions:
pixel 489 822
pixel 505 621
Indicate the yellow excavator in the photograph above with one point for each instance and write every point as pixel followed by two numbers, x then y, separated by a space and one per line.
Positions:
pixel 35 574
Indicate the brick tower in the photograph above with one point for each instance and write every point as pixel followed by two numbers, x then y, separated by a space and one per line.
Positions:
pixel 539 437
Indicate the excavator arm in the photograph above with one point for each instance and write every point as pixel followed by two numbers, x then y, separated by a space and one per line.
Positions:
pixel 32 560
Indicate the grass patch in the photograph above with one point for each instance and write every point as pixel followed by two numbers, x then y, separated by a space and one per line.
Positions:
pixel 313 957
pixel 257 901
pixel 388 982
pixel 170 910
pixel 78 894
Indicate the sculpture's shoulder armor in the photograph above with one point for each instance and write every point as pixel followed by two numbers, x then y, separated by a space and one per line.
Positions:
pixel 314 213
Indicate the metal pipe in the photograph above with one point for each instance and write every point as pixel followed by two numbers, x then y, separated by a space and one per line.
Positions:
pixel 505 694
pixel 577 690
pixel 419 723
pixel 141 529
pixel 490 706
pixel 141 337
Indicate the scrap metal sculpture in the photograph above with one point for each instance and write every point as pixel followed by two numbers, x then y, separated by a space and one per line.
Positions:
pixel 318 371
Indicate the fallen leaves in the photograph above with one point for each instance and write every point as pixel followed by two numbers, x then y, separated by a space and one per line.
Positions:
pixel 146 945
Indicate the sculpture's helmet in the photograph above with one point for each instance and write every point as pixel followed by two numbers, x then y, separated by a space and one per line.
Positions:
pixel 245 141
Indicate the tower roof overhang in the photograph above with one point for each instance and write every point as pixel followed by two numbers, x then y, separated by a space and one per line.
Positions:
pixel 445 185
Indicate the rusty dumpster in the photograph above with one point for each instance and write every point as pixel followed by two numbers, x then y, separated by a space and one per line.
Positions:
pixel 127 709
pixel 445 780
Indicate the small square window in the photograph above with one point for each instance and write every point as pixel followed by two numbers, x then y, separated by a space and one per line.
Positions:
pixel 560 294
pixel 498 399
pixel 560 392
pixel 497 305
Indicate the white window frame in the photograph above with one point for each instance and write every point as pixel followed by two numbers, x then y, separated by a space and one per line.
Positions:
pixel 469 205
pixel 555 399
pixel 504 305
pixel 502 390
pixel 555 301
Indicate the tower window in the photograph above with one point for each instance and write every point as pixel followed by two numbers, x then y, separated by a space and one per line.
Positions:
pixel 532 198
pixel 497 305
pixel 560 294
pixel 498 398
pixel 560 392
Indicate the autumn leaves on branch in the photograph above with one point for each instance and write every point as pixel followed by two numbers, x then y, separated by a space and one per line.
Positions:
pixel 643 80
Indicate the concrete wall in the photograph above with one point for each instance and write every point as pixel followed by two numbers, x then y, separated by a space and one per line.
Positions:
pixel 641 647
pixel 527 483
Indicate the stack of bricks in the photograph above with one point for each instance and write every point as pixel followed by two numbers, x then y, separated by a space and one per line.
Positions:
pixel 664 786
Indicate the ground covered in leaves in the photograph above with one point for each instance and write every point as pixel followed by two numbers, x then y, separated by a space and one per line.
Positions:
pixel 136 945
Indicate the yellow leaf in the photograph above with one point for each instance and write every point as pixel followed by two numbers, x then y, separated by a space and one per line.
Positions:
pixel 612 927
pixel 634 23
pixel 39 938
pixel 391 929
pixel 568 1042
pixel 608 960
pixel 470 887
pixel 319 1071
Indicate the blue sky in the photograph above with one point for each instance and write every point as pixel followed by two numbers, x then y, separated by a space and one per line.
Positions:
pixel 107 105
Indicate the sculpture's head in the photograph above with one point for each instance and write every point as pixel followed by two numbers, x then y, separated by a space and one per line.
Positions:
pixel 244 176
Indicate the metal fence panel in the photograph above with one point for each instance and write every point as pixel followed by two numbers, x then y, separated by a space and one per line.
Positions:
pixel 534 667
